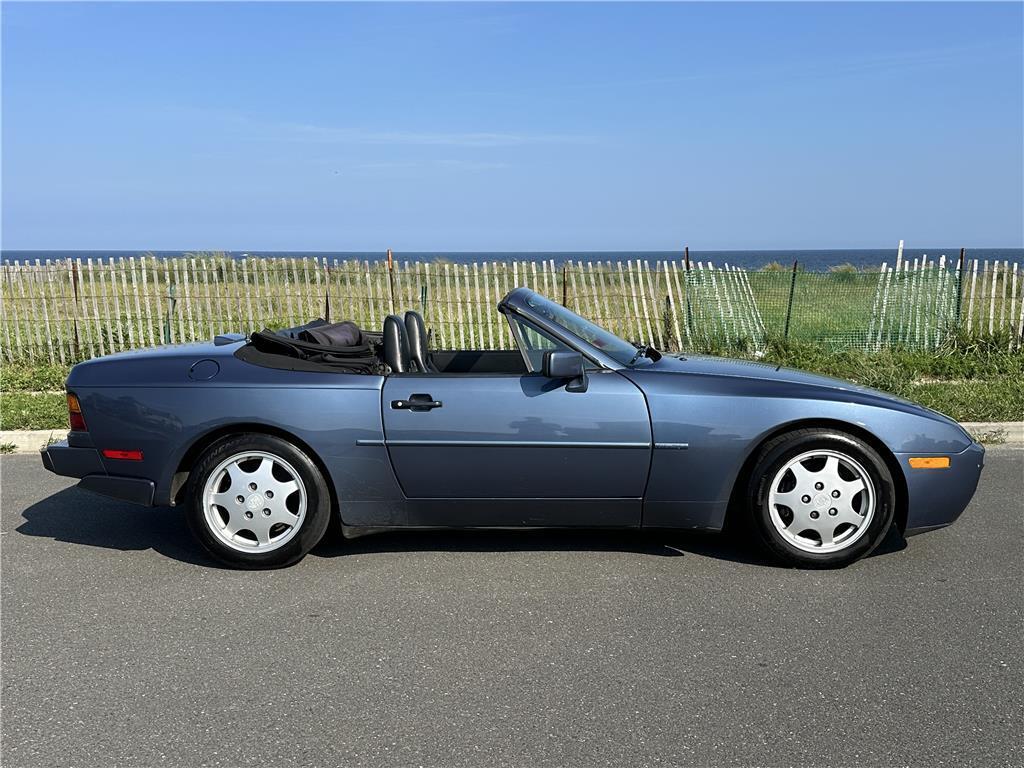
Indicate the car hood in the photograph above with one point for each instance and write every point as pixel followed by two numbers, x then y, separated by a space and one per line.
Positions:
pixel 706 365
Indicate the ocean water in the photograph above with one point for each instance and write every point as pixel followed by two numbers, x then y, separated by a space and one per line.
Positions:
pixel 812 260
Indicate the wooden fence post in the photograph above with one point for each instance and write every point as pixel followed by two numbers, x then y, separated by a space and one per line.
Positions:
pixel 673 309
pixel 289 290
pixel 643 303
pixel 327 290
pixel 960 285
pixel 1019 341
pixel 8 350
pixel 992 298
pixel 789 305
pixel 875 304
pixel 459 301
pixel 136 291
pixel 686 289
pixel 127 306
pixel 1013 303
pixel 310 302
pixel 450 313
pixel 391 279
pixel 480 302
pixel 209 284
pixel 883 306
pixel 73 270
pixel 13 275
pixel 970 299
pixel 1002 295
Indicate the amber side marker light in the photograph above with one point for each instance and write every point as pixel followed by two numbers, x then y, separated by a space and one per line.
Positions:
pixel 110 453
pixel 75 418
pixel 929 462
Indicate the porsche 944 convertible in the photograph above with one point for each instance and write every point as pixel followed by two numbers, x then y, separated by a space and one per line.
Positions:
pixel 263 439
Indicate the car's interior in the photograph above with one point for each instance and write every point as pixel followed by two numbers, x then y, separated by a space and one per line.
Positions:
pixel 406 349
pixel 402 348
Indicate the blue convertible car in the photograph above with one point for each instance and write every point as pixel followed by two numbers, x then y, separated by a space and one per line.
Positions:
pixel 264 439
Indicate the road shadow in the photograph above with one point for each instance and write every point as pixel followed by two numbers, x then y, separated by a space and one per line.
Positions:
pixel 730 547
pixel 505 540
pixel 77 517
pixel 893 542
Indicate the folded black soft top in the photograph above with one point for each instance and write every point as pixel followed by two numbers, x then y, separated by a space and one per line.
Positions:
pixel 316 346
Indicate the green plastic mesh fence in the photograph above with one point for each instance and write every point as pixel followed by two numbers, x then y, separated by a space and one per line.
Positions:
pixel 839 310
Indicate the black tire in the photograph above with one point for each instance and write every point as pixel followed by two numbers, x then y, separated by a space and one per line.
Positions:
pixel 311 527
pixel 778 452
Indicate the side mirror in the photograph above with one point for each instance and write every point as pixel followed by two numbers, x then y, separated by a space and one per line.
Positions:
pixel 562 364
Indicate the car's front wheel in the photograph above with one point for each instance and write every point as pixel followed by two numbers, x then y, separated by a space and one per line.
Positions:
pixel 257 501
pixel 821 498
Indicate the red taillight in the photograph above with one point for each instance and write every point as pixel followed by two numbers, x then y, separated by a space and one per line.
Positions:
pixel 75 417
pixel 110 453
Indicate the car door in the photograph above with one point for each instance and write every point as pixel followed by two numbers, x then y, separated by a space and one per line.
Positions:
pixel 537 453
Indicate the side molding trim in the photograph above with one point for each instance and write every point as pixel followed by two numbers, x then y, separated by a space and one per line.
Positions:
pixel 503 444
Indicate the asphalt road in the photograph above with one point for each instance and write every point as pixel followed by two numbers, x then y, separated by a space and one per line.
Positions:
pixel 123 646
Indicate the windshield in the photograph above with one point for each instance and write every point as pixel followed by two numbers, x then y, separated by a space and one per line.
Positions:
pixel 621 351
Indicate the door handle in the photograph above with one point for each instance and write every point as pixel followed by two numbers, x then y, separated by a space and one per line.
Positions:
pixel 416 403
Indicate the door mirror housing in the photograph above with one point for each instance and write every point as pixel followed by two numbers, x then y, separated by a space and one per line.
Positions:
pixel 563 364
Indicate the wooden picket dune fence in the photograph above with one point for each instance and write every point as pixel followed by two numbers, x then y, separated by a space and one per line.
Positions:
pixel 70 310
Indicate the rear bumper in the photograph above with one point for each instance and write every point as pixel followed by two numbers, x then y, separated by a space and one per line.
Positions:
pixel 937 497
pixel 85 464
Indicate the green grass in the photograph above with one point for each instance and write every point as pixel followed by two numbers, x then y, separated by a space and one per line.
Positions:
pixel 27 377
pixel 27 410
pixel 6 448
pixel 992 400
pixel 887 368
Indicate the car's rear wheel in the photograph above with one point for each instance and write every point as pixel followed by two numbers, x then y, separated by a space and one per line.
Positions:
pixel 821 498
pixel 257 501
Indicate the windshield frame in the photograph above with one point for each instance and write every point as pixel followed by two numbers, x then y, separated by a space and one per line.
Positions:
pixel 522 302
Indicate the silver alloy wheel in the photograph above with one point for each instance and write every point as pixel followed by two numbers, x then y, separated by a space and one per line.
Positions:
pixel 822 501
pixel 254 501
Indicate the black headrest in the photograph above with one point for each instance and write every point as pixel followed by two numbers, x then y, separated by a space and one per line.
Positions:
pixel 416 333
pixel 396 348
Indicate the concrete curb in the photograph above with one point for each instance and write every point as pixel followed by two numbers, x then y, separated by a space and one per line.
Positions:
pixel 996 431
pixel 31 440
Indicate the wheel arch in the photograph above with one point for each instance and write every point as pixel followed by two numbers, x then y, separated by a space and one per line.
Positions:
pixel 179 479
pixel 734 511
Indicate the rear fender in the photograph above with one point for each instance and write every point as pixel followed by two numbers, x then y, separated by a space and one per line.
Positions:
pixel 173 425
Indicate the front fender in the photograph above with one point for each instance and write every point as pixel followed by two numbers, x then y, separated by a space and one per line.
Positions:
pixel 722 420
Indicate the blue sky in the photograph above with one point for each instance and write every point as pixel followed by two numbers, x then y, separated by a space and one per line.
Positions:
pixel 511 126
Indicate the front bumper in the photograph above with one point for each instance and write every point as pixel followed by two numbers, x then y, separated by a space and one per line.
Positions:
pixel 85 463
pixel 937 497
